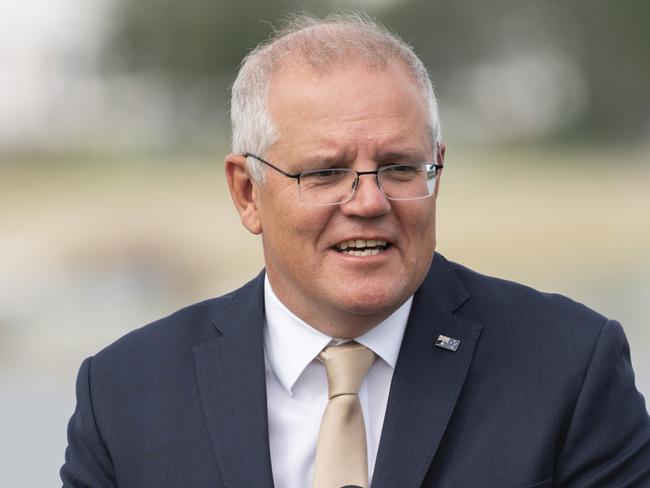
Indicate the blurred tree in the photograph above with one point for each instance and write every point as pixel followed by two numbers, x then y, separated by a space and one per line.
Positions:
pixel 606 41
pixel 610 41
pixel 190 38
pixel 187 53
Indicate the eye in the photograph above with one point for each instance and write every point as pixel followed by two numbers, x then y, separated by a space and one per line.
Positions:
pixel 324 173
pixel 325 176
pixel 405 168
pixel 401 172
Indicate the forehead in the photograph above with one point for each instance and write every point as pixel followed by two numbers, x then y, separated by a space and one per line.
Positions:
pixel 352 104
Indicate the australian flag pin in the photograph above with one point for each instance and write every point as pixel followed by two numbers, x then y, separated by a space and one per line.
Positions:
pixel 448 343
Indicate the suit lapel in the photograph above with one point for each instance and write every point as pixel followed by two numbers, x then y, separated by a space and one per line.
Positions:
pixel 231 378
pixel 426 384
pixel 427 381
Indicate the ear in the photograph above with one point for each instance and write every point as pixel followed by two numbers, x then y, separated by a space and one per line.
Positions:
pixel 243 191
pixel 440 157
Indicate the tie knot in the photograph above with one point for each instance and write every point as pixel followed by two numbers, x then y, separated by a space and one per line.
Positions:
pixel 346 366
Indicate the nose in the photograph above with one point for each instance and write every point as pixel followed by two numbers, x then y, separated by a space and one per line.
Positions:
pixel 368 199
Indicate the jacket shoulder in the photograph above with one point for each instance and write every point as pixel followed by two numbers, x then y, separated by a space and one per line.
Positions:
pixel 500 301
pixel 178 331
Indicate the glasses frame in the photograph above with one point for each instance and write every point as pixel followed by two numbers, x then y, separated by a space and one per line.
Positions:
pixel 355 185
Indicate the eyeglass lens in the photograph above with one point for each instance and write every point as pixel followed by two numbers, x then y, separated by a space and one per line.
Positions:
pixel 398 182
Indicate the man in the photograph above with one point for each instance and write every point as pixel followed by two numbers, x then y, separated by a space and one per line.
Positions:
pixel 358 356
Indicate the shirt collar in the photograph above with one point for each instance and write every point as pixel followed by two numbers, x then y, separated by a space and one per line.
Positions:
pixel 291 344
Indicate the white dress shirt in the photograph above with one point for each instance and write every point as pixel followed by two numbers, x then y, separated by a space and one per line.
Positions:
pixel 296 387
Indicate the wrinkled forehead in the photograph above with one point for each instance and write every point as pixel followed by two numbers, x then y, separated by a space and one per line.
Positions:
pixel 295 76
pixel 354 106
pixel 297 71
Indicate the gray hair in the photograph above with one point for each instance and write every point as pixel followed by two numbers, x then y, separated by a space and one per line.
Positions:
pixel 322 44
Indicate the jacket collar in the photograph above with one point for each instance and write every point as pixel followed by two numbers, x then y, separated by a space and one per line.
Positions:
pixel 426 383
pixel 427 380
pixel 230 371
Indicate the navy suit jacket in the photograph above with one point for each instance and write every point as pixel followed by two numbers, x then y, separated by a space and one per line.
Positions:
pixel 540 393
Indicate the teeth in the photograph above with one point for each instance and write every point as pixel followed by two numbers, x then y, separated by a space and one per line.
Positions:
pixel 365 252
pixel 360 243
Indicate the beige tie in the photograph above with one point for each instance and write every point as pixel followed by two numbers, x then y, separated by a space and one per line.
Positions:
pixel 341 455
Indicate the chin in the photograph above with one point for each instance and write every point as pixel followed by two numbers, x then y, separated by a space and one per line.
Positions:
pixel 373 302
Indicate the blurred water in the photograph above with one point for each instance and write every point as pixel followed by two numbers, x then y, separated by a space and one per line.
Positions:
pixel 34 415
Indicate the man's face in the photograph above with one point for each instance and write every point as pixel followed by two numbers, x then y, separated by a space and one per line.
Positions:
pixel 352 117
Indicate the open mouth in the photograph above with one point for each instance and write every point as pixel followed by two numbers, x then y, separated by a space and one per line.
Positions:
pixel 362 247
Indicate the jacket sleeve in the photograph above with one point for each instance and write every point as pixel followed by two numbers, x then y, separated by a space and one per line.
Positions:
pixel 87 460
pixel 608 440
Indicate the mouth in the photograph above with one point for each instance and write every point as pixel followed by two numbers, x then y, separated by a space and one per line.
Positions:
pixel 362 247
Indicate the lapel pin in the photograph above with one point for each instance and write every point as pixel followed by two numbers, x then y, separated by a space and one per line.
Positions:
pixel 448 343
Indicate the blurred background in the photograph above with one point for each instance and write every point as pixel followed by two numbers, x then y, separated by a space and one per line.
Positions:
pixel 114 209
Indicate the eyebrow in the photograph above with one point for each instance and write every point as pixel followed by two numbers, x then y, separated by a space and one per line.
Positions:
pixel 340 159
pixel 329 158
pixel 408 155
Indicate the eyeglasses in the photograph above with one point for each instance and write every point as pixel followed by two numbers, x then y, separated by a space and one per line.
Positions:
pixel 332 186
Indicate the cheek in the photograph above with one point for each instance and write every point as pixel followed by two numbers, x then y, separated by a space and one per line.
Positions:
pixel 311 224
pixel 293 228
pixel 420 237
pixel 418 223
